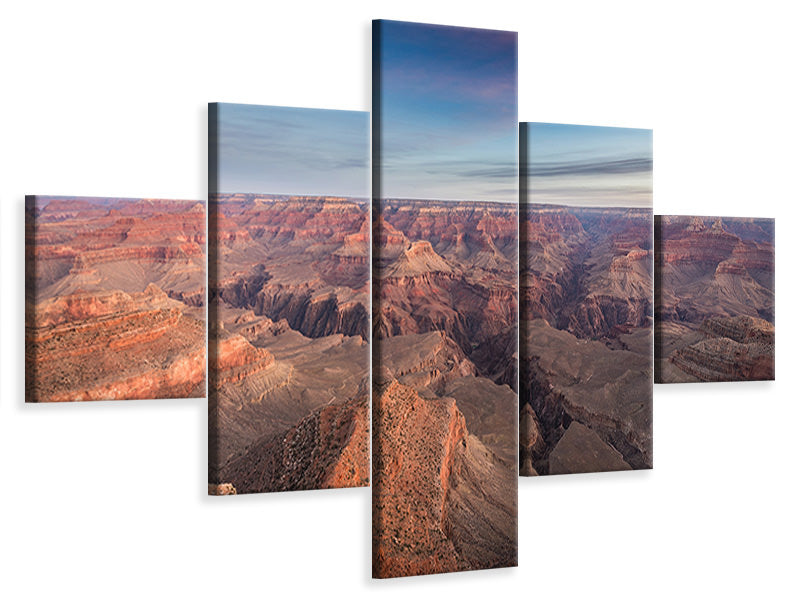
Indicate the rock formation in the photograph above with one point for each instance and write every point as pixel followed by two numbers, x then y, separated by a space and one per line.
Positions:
pixel 715 281
pixel 445 408
pixel 113 291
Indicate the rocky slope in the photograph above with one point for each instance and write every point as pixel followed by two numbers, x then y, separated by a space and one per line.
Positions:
pixel 327 449
pixel 732 349
pixel 441 500
pixel 113 345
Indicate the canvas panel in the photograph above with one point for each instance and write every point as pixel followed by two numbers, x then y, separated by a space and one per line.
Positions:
pixel 114 299
pixel 715 299
pixel 289 299
pixel 586 381
pixel 445 309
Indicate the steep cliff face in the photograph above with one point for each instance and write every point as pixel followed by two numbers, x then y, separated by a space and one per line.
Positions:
pixel 310 314
pixel 431 479
pixel 600 315
pixel 305 260
pixel 235 359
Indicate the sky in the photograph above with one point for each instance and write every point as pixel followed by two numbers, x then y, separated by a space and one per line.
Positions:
pixel 579 165
pixel 447 111
pixel 286 150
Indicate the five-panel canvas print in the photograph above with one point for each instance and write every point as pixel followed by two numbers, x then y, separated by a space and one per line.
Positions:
pixel 498 304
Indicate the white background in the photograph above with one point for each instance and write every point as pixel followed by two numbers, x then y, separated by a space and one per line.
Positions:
pixel 108 500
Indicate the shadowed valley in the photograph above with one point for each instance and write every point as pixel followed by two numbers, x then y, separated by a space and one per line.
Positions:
pixel 586 339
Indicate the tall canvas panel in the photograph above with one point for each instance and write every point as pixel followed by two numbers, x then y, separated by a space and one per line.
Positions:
pixel 289 299
pixel 445 305
pixel 715 299
pixel 586 343
pixel 114 299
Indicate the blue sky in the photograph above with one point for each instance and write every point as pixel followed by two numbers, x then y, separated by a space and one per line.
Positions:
pixel 580 165
pixel 448 112
pixel 287 150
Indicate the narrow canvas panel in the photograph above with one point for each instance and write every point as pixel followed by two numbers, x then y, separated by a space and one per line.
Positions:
pixel 445 309
pixel 586 342
pixel 114 299
pixel 289 299
pixel 715 299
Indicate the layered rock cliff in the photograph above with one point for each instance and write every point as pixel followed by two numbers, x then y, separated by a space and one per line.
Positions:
pixel 113 345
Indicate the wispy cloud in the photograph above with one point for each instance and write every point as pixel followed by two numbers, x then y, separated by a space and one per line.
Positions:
pixel 447 111
pixel 275 149
pixel 611 167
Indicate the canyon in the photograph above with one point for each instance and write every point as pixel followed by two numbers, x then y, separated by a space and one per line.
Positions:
pixel 288 343
pixel 115 295
pixel 586 319
pixel 715 299
pixel 445 411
